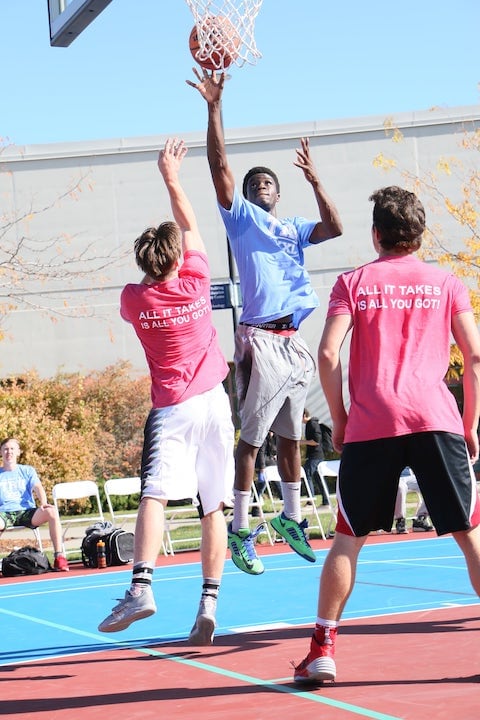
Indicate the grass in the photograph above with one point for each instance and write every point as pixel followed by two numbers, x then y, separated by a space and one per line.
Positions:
pixel 185 536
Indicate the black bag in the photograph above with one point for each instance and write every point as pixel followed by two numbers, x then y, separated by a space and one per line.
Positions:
pixel 25 561
pixel 118 544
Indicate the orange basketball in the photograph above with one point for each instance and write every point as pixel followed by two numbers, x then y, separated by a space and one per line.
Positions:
pixel 222 46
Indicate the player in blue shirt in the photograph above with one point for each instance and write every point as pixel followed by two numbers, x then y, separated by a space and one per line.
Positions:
pixel 273 365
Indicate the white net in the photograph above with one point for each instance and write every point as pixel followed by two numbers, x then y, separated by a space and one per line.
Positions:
pixel 231 33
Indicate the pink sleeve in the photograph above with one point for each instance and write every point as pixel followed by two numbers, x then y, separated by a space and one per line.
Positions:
pixel 461 298
pixel 340 301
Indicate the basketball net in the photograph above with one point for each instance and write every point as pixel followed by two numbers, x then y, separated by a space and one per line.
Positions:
pixel 241 14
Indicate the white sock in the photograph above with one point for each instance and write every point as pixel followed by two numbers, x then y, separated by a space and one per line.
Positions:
pixel 321 622
pixel 240 510
pixel 141 577
pixel 291 500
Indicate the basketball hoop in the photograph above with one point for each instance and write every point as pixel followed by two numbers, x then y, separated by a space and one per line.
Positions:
pixel 240 15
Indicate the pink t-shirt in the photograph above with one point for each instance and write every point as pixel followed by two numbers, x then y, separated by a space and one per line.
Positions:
pixel 401 310
pixel 173 321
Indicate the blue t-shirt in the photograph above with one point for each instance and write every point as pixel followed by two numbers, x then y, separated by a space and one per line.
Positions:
pixel 16 488
pixel 269 256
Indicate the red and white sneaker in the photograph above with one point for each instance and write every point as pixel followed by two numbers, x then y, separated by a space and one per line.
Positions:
pixel 319 664
pixel 60 564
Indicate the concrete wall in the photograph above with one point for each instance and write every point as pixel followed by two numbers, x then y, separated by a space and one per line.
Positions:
pixel 69 321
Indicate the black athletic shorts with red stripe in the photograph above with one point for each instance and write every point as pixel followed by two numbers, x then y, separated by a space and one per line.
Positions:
pixel 368 481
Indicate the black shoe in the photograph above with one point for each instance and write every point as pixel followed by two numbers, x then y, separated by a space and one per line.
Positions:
pixel 421 524
pixel 401 526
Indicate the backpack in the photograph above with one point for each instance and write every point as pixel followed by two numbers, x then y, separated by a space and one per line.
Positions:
pixel 25 561
pixel 118 544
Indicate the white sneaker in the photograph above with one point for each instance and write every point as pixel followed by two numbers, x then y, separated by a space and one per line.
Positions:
pixel 128 610
pixel 203 631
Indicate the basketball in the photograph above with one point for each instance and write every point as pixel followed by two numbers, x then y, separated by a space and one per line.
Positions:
pixel 222 43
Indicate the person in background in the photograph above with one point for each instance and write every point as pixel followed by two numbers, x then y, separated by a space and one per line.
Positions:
pixel 19 486
pixel 189 434
pixel 318 441
pixel 273 365
pixel 266 457
pixel 409 483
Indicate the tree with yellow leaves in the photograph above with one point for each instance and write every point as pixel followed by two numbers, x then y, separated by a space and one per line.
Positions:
pixel 463 212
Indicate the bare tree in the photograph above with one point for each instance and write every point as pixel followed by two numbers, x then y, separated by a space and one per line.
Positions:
pixel 33 269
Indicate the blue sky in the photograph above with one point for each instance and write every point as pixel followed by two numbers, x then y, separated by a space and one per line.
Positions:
pixel 125 75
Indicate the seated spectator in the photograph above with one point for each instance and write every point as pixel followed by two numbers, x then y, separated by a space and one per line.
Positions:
pixel 408 483
pixel 318 441
pixel 19 485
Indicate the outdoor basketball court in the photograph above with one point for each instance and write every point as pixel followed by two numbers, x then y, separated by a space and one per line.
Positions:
pixel 409 642
pixel 408 647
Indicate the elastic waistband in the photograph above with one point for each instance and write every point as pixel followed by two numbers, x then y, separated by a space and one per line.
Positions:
pixel 285 323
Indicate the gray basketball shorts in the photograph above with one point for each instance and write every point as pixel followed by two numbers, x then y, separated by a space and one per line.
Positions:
pixel 273 373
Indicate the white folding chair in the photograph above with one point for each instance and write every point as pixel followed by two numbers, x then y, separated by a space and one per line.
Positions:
pixel 328 468
pixel 36 532
pixel 272 477
pixel 409 482
pixel 257 502
pixel 307 501
pixel 121 486
pixel 124 486
pixel 185 516
pixel 309 505
pixel 63 492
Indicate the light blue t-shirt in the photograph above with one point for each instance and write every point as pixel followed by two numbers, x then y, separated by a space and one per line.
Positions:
pixel 16 488
pixel 269 256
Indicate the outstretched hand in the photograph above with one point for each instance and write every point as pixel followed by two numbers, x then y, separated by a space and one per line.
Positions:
pixel 170 158
pixel 209 85
pixel 305 162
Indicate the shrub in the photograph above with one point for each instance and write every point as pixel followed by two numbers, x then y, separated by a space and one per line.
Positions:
pixel 75 427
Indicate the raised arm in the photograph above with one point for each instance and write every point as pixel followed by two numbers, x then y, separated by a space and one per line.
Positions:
pixel 169 161
pixel 330 225
pixel 210 87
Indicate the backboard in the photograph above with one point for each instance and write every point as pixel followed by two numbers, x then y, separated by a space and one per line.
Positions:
pixel 68 18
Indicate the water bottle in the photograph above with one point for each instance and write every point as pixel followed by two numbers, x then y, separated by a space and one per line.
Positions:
pixel 101 555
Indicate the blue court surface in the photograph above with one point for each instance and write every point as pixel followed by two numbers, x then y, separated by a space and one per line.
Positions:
pixel 54 616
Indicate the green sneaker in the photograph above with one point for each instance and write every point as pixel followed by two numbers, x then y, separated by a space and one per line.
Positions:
pixel 294 533
pixel 242 547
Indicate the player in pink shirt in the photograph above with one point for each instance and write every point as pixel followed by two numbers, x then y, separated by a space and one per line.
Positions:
pixel 401 313
pixel 189 435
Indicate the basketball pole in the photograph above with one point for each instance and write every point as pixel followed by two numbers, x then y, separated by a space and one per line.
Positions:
pixel 231 276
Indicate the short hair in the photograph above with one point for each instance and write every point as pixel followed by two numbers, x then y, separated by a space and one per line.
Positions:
pixel 9 439
pixel 157 249
pixel 256 171
pixel 399 217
